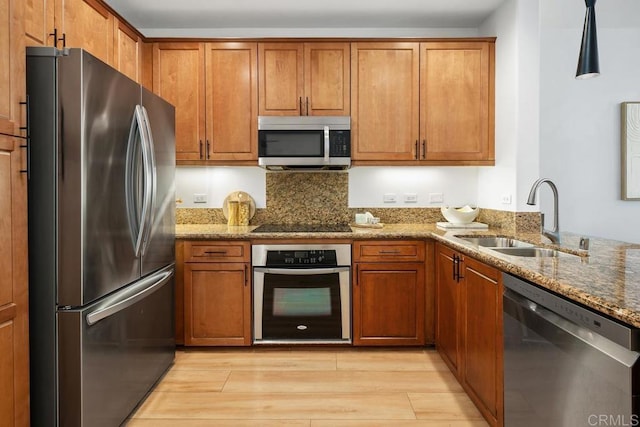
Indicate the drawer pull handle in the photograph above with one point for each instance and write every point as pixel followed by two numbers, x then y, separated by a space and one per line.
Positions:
pixel 216 252
pixel 389 252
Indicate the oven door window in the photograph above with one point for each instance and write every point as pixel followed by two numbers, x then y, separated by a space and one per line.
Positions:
pixel 301 307
pixel 291 143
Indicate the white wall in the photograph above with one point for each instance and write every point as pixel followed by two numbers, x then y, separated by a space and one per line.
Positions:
pixel 580 119
pixel 515 23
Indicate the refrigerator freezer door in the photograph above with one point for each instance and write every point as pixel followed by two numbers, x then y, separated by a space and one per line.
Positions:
pixel 97 105
pixel 160 245
pixel 108 364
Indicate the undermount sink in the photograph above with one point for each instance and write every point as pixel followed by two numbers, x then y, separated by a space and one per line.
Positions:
pixel 529 252
pixel 496 242
pixel 513 247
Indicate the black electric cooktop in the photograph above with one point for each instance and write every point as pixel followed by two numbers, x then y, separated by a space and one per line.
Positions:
pixel 303 228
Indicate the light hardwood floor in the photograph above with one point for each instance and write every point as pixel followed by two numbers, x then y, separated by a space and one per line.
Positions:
pixel 311 387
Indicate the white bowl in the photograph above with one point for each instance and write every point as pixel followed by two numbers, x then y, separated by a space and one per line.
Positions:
pixel 463 215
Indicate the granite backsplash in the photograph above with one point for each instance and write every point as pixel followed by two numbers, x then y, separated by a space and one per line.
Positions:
pixel 317 198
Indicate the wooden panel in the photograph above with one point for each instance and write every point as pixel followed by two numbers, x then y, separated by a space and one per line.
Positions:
pixel 38 22
pixel 7 374
pixel 207 251
pixel 384 101
pixel 127 52
pixel 179 293
pixel 430 291
pixel 178 77
pixel 388 304
pixel 232 100
pixel 217 304
pixel 280 79
pixel 6 227
pixel 482 338
pixel 14 332
pixel 12 79
pixel 89 25
pixel 327 79
pixel 447 304
pixel 388 250
pixel 455 104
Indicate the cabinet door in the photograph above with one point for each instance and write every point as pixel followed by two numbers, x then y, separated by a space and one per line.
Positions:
pixel 280 79
pixel 388 304
pixel 327 70
pixel 482 337
pixel 456 101
pixel 14 334
pixel 447 303
pixel 127 51
pixel 217 299
pixel 384 101
pixel 232 100
pixel 38 22
pixel 12 63
pixel 86 24
pixel 178 73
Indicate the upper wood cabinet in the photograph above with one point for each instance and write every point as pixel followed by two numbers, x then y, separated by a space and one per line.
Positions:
pixel 423 103
pixel 39 22
pixel 127 51
pixel 385 91
pixel 456 101
pixel 87 24
pixel 214 89
pixel 178 77
pixel 304 79
pixel 232 100
pixel 12 66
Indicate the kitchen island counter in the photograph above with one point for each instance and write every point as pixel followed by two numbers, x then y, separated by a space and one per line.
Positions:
pixel 606 278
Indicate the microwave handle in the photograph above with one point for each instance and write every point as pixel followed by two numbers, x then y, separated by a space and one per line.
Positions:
pixel 326 145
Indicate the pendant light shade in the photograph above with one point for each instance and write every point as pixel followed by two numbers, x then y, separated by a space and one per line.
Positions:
pixel 588 63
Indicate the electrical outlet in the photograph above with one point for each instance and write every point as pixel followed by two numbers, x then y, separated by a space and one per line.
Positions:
pixel 410 198
pixel 505 199
pixel 389 197
pixel 436 197
pixel 199 198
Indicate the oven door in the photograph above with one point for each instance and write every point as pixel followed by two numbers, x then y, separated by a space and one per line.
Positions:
pixel 292 305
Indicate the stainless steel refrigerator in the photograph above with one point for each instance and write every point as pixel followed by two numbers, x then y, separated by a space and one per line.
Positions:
pixel 101 167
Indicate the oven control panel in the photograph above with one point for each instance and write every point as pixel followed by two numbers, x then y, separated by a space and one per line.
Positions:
pixel 302 258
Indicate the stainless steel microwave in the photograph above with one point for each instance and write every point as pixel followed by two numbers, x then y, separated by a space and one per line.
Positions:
pixel 304 142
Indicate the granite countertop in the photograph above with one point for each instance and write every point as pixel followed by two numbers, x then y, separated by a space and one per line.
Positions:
pixel 606 278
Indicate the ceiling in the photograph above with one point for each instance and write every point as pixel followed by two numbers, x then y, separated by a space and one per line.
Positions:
pixel 197 18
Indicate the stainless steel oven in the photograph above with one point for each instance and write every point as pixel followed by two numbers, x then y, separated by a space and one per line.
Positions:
pixel 301 293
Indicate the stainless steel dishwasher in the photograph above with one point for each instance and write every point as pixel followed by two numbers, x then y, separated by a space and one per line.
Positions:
pixel 564 364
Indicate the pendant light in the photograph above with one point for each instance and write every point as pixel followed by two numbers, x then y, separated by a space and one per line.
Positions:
pixel 588 64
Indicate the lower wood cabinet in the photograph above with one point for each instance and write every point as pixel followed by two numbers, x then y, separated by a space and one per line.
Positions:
pixel 469 328
pixel 217 293
pixel 389 293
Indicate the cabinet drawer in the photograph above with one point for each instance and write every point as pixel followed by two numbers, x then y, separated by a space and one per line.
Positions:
pixel 388 251
pixel 217 251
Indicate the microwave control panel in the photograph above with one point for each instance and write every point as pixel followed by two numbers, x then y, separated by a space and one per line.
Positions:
pixel 340 143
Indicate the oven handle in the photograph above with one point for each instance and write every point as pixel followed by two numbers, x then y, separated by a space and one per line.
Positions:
pixel 300 271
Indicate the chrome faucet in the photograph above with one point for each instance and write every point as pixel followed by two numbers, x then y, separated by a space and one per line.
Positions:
pixel 553 234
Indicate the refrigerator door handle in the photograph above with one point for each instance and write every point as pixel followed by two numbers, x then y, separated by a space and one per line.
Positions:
pixel 151 183
pixel 127 297
pixel 136 221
